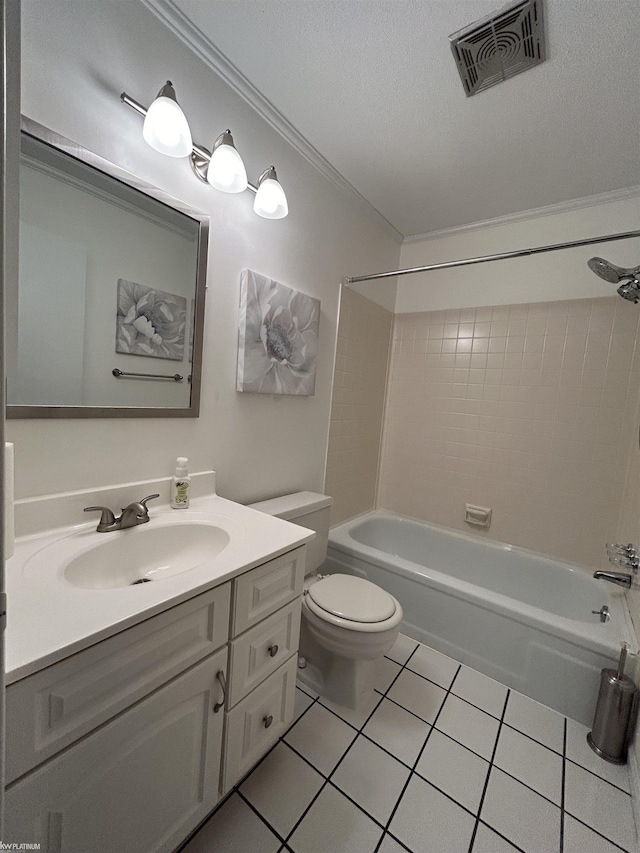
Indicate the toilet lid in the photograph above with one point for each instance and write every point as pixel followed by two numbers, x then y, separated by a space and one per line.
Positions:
pixel 355 599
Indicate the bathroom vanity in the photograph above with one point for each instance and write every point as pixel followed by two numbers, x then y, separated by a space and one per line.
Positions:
pixel 128 742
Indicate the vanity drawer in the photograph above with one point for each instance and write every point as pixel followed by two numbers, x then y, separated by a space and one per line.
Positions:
pixel 260 651
pixel 258 721
pixel 53 708
pixel 262 591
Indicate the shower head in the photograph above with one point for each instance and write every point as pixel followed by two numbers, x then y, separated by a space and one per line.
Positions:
pixel 630 290
pixel 612 273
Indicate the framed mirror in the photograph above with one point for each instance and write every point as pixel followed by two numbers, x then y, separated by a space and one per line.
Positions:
pixel 109 314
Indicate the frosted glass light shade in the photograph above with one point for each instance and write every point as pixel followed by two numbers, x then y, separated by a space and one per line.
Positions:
pixel 165 126
pixel 270 201
pixel 226 170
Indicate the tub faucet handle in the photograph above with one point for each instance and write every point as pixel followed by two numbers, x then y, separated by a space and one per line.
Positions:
pixel 615 548
pixel 624 555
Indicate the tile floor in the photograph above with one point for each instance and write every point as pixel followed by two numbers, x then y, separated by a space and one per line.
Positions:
pixel 442 760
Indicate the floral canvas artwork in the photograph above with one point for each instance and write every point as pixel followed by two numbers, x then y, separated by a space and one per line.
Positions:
pixel 150 322
pixel 278 339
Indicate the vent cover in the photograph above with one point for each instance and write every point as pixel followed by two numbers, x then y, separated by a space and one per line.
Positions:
pixel 499 46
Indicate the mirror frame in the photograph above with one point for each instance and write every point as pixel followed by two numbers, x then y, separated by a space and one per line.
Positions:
pixel 65 145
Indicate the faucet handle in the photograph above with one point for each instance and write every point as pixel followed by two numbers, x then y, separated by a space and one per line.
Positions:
pixel 615 548
pixel 627 561
pixel 148 498
pixel 107 518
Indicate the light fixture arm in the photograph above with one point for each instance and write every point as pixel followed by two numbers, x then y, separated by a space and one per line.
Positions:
pixel 200 156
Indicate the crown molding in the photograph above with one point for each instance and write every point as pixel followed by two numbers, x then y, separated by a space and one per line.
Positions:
pixel 180 25
pixel 534 213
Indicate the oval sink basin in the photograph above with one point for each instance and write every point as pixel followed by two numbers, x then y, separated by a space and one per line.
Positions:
pixel 145 553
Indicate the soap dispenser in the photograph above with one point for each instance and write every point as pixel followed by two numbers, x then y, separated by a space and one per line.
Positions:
pixel 181 485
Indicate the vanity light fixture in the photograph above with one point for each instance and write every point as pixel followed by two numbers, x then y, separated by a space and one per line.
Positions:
pixel 167 131
pixel 270 201
pixel 226 170
pixel 166 128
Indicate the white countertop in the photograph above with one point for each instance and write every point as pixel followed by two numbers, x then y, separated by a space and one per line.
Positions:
pixel 48 618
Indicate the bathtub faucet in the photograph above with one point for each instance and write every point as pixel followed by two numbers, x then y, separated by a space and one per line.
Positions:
pixel 619 578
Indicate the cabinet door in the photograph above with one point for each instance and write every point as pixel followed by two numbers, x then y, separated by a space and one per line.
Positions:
pixel 139 784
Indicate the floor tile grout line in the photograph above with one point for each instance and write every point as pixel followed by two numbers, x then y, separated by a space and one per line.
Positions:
pixel 345 753
pixel 597 832
pixel 351 725
pixel 535 740
pixel 459 743
pixel 419 756
pixel 307 810
pixel 442 687
pixel 526 785
pixel 598 776
pixel 488 776
pixel 564 772
pixel 504 837
pixel 413 771
pixel 413 714
pixel 397 840
pixel 326 780
pixel 306 760
pixel 568 759
pixel 356 803
pixel 384 749
pixel 437 684
pixel 248 803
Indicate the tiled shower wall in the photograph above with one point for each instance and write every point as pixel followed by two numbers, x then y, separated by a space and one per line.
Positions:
pixel 526 409
pixel 364 340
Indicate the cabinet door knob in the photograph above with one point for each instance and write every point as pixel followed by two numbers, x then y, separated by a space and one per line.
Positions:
pixel 267 721
pixel 273 650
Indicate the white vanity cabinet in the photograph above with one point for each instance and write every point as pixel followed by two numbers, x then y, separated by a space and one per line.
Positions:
pixel 140 783
pixel 128 745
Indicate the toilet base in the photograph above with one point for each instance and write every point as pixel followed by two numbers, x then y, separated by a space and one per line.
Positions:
pixel 345 681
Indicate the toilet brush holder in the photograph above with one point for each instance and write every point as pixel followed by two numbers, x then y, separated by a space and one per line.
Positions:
pixel 615 713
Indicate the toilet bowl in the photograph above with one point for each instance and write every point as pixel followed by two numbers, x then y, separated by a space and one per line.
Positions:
pixel 348 623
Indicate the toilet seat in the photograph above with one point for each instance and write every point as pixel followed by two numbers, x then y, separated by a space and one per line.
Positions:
pixel 344 599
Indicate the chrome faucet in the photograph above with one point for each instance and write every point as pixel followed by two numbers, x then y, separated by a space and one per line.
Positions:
pixel 132 515
pixel 618 578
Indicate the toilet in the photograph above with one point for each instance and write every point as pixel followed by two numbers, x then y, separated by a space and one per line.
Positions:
pixel 348 623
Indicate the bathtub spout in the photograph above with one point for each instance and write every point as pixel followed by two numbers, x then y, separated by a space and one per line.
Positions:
pixel 619 578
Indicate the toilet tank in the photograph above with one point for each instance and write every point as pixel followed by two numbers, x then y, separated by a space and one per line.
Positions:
pixel 308 509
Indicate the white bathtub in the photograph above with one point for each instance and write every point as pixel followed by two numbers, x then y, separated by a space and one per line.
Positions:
pixel 519 617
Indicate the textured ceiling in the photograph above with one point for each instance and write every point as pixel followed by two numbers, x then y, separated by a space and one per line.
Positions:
pixel 372 85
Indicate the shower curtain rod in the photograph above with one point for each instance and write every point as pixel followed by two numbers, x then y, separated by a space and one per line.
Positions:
pixel 483 259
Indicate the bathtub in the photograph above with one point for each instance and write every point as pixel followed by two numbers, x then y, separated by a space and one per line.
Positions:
pixel 521 618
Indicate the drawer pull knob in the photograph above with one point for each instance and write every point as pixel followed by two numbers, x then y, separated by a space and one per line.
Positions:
pixel 267 721
pixel 222 683
pixel 273 650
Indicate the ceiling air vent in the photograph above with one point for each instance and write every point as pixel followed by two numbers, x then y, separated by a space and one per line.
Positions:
pixel 499 46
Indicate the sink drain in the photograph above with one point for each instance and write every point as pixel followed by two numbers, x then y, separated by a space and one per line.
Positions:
pixel 140 580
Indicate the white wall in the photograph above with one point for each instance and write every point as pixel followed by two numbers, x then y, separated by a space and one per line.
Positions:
pixel 537 278
pixel 77 58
